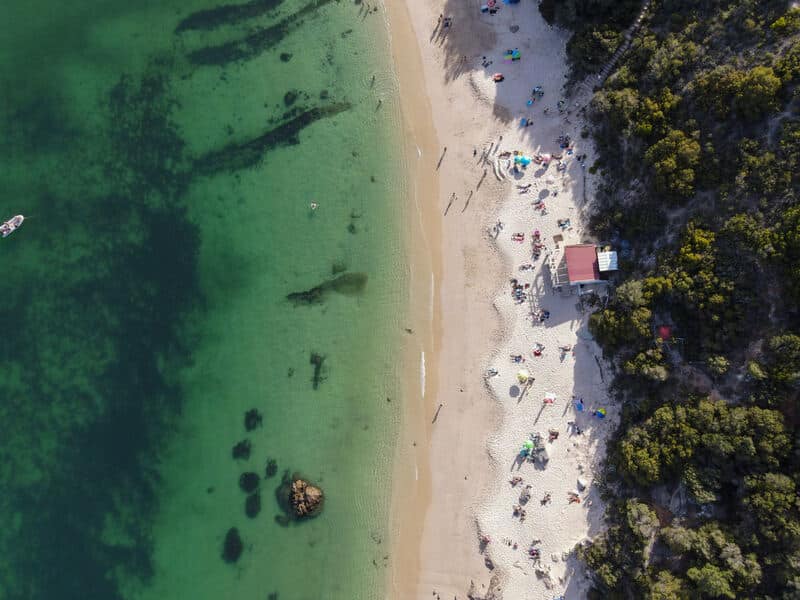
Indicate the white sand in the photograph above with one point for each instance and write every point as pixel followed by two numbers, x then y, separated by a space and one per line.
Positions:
pixel 575 373
pixel 481 325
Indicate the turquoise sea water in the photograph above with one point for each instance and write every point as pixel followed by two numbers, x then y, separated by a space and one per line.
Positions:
pixel 166 154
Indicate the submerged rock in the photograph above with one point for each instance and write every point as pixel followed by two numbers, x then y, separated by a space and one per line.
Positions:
pixel 272 468
pixel 317 360
pixel 257 40
pixel 349 284
pixel 290 97
pixel 226 14
pixel 241 451
pixel 248 482
pixel 252 419
pixel 252 506
pixel 232 548
pixel 248 153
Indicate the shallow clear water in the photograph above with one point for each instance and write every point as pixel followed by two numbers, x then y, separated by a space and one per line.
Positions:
pixel 167 177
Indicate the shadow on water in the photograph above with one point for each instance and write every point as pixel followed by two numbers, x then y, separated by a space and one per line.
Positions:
pixel 95 327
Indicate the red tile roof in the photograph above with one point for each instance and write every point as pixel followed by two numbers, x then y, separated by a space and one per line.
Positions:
pixel 582 264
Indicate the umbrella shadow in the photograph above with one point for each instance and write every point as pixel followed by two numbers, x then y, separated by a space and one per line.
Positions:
pixel 525 389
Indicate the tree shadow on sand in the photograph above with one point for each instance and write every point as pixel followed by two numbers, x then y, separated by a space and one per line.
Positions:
pixel 474 47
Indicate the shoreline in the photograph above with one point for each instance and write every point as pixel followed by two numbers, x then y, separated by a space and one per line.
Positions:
pixel 411 477
pixel 478 433
pixel 445 451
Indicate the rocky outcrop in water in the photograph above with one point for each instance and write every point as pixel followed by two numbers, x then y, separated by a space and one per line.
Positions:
pixel 298 498
pixel 306 498
pixel 349 284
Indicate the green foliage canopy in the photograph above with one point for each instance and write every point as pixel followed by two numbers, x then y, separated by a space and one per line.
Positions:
pixel 674 159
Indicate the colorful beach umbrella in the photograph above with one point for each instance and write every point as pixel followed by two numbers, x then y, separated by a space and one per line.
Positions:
pixel 600 413
pixel 523 375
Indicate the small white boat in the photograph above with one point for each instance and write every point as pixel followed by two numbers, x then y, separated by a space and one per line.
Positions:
pixel 10 226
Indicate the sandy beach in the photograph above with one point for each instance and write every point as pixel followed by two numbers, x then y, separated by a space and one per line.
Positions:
pixel 472 423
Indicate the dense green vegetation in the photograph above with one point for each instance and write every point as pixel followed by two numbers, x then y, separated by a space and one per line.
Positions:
pixel 698 136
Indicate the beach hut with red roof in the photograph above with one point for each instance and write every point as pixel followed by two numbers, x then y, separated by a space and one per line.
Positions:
pixel 582 264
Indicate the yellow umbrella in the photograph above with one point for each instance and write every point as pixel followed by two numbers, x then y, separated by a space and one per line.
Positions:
pixel 523 376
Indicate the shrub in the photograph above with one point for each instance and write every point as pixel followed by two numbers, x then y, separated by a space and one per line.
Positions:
pixel 788 23
pixel 717 365
pixel 674 159
pixel 589 49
